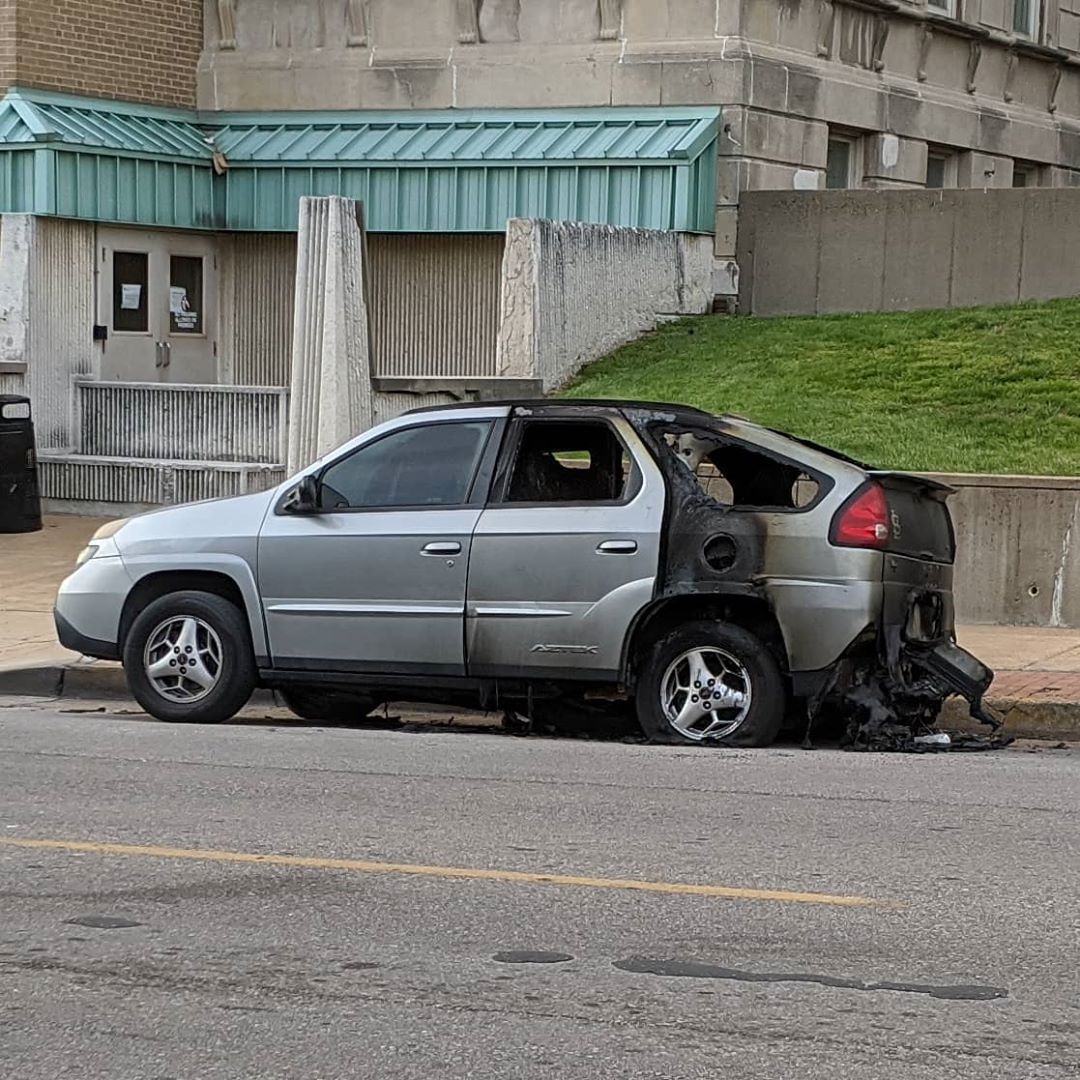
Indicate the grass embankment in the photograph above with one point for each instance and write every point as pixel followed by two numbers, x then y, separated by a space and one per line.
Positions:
pixel 982 390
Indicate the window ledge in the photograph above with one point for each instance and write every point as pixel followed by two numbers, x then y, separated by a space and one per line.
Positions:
pixel 887 6
pixel 12 367
pixel 947 24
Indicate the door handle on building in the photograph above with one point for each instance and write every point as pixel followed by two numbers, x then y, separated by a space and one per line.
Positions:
pixel 437 548
pixel 617 547
pixel 166 349
pixel 159 354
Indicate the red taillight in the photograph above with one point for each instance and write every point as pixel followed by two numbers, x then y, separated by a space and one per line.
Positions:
pixel 863 521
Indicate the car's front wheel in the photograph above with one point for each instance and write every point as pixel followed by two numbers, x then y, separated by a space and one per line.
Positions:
pixel 188 658
pixel 711 682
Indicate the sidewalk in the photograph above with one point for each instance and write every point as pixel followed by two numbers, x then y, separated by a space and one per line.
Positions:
pixel 32 565
pixel 1037 687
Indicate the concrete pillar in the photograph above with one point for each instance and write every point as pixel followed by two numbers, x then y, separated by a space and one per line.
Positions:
pixel 516 347
pixel 331 398
pixel 894 162
pixel 976 170
pixel 1060 177
pixel 16 249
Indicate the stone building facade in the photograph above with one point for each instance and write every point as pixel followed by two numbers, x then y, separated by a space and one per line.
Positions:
pixel 815 93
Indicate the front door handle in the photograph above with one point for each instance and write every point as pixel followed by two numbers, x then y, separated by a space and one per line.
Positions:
pixel 617 547
pixel 167 348
pixel 441 548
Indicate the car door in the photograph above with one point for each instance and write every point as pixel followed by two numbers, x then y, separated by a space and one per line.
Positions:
pixel 374 580
pixel 566 553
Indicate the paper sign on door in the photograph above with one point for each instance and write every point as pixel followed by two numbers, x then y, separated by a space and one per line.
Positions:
pixel 130 297
pixel 184 318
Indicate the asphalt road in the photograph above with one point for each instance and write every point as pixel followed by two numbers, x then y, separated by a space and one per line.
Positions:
pixel 861 916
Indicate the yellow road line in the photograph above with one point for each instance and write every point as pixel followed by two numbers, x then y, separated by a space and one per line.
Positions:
pixel 470 873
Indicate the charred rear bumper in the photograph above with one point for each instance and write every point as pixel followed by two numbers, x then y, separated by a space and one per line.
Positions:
pixel 955 671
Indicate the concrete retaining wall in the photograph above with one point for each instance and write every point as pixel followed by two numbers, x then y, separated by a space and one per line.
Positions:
pixel 571 293
pixel 1018 549
pixel 804 253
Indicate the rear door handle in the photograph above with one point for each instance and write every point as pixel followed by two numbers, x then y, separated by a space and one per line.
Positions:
pixel 617 547
pixel 441 548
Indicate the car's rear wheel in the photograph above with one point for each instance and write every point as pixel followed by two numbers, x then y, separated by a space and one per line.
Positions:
pixel 710 682
pixel 188 658
pixel 327 706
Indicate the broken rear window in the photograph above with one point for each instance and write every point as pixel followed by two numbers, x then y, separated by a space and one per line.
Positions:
pixel 741 477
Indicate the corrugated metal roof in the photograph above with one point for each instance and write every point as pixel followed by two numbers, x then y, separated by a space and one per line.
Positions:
pixel 41 118
pixel 447 171
pixel 507 136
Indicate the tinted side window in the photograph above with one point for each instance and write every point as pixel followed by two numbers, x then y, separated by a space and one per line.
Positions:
pixel 580 461
pixel 431 465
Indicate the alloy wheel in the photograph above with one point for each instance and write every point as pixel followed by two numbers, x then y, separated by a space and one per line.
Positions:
pixel 706 694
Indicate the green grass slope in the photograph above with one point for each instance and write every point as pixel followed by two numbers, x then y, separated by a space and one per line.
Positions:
pixel 980 390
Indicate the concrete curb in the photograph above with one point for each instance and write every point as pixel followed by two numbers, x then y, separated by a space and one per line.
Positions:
pixel 1024 719
pixel 103 682
pixel 85 682
pixel 1047 719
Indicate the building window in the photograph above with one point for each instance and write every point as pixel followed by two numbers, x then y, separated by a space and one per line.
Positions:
pixel 944 7
pixel 185 294
pixel 940 169
pixel 1026 174
pixel 131 281
pixel 840 162
pixel 1026 18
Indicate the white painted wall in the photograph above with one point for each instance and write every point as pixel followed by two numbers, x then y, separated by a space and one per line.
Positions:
pixel 571 293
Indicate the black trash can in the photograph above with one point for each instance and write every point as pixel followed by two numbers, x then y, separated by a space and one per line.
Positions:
pixel 20 500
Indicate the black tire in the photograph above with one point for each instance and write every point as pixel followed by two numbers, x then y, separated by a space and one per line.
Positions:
pixel 331 707
pixel 237 674
pixel 768 697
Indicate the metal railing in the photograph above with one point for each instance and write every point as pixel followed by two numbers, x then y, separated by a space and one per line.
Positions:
pixel 188 422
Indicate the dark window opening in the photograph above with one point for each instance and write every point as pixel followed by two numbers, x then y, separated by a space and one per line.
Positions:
pixel 185 294
pixel 1026 174
pixel 131 282
pixel 1026 17
pixel 935 171
pixel 741 478
pixel 838 164
pixel 432 465
pixel 569 462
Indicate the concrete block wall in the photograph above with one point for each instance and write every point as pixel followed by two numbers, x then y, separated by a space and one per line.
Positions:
pixel 834 251
pixel 571 293
pixel 1018 549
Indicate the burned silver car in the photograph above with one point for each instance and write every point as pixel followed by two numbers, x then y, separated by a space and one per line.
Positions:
pixel 544 558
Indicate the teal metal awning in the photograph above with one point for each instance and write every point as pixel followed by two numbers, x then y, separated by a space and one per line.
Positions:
pixel 446 171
